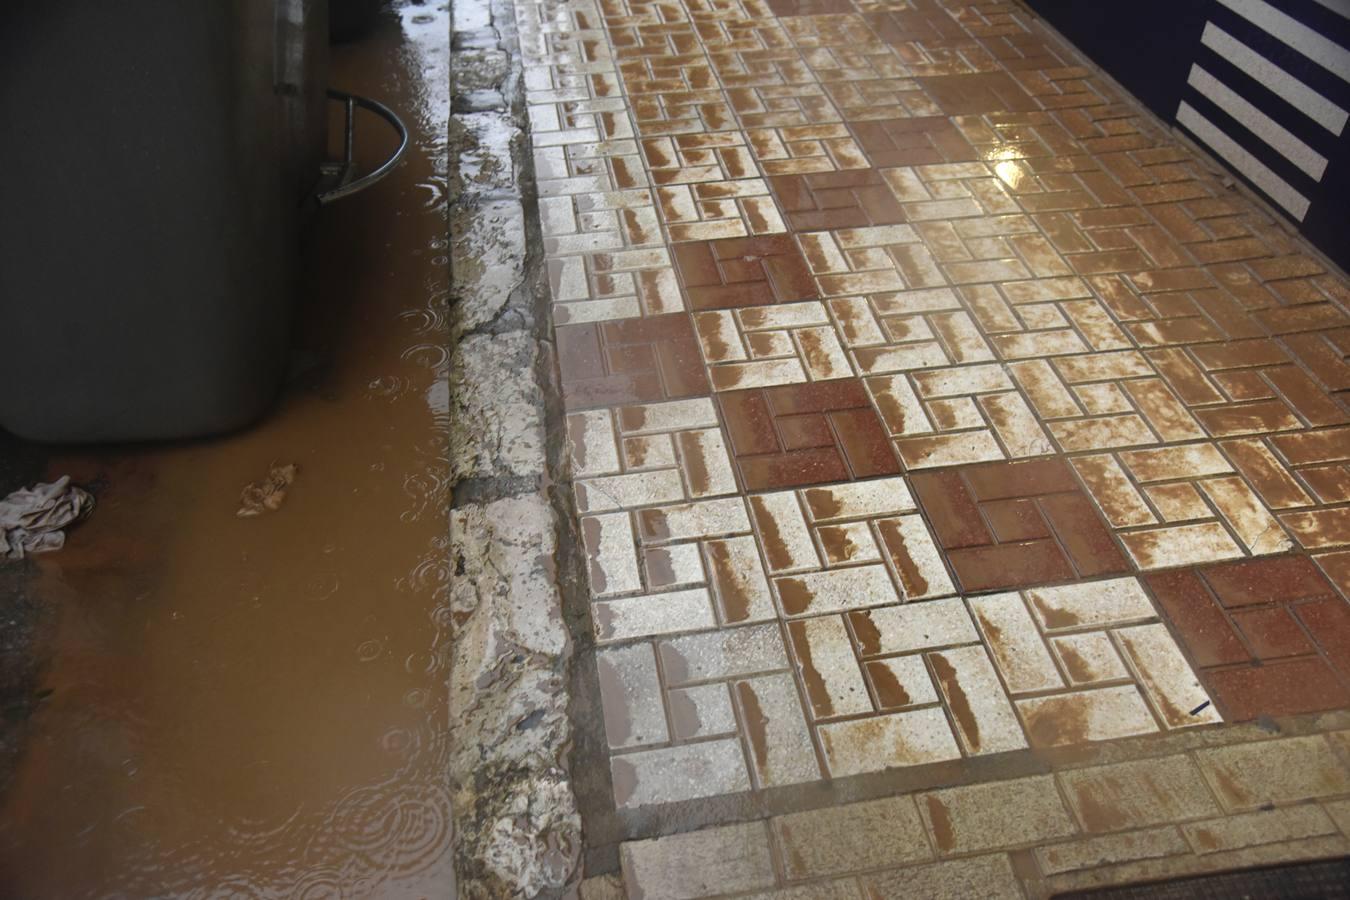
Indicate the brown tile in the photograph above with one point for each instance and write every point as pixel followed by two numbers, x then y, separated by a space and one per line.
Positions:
pixel 912 142
pixel 1272 632
pixel 1204 630
pixel 1082 533
pixel 1015 520
pixel 739 272
pixel 630 361
pixel 1283 579
pixel 850 198
pixel 1279 689
pixel 1328 621
pixel 995 481
pixel 952 511
pixel 978 93
pixel 800 434
pixel 1007 566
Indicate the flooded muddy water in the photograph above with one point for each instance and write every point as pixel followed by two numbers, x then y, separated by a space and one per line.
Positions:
pixel 256 707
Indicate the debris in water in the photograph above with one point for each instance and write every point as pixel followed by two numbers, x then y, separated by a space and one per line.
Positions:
pixel 1199 709
pixel 32 519
pixel 267 495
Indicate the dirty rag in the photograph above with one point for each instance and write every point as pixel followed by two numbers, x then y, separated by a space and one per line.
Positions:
pixel 32 519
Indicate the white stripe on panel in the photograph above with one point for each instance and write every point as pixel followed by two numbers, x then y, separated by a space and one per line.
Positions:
pixel 1256 171
pixel 1258 123
pixel 1325 53
pixel 1340 7
pixel 1286 86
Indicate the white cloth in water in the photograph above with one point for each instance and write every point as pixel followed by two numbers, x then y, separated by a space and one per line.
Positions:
pixel 31 519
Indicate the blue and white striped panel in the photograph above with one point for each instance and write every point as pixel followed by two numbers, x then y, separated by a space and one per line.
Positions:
pixel 1268 93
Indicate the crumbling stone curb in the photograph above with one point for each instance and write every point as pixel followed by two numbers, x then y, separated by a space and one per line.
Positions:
pixel 517 832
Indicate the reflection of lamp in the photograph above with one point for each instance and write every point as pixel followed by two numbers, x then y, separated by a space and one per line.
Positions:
pixel 1011 173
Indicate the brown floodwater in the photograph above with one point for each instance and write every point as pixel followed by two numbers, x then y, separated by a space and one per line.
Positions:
pixel 257 707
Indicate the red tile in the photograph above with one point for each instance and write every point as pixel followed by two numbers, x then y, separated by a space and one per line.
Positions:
pixel 1266 580
pixel 1329 623
pixel 817 396
pixel 1006 566
pixel 1015 520
pixel 951 510
pixel 783 470
pixel 749 422
pixel 995 481
pixel 864 442
pixel 1272 632
pixel 803 432
pixel 1204 629
pixel 1279 689
pixel 1088 541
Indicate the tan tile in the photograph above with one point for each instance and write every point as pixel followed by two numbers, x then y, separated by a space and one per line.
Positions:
pixel 675 415
pixel 981 876
pixel 852 837
pixel 1248 776
pixel 1111 488
pixel 900 409
pixel 1081 716
pixel 914 626
pixel 1092 604
pixel 739 586
pixel 834 590
pixel 914 558
pixel 900 681
pixel 1045 389
pixel 1295 823
pixel 1089 658
pixel 701 711
pixel 1165 676
pixel 848 544
pixel 705 463
pixel 1016 425
pixel 1321 528
pixel 1163 463
pixel 685 772
pixel 776 734
pixel 887 741
pixel 1015 644
pixel 1147 792
pixel 686 521
pixel 725 653
pixel 611 554
pixel 949 449
pixel 857 499
pixel 783 532
pixel 1178 501
pixel 973 818
pixel 698 863
pixel 1091 853
pixel 590 442
pixel 1102 433
pixel 1180 545
pixel 829 670
pixel 984 718
pixel 1247 515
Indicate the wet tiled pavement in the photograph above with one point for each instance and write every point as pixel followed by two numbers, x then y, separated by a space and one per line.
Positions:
pixel 925 400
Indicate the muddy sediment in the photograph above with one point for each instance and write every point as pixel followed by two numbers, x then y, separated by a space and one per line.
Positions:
pixel 258 706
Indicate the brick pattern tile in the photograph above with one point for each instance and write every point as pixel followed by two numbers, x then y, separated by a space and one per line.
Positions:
pixel 791 435
pixel 1270 635
pixel 738 272
pixel 886 333
pixel 1017 524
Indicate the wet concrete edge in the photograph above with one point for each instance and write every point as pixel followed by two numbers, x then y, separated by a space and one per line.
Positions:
pixel 518 594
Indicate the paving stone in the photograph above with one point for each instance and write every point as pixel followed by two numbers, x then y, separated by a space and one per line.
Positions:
pixel 1263 827
pixel 685 772
pixel 888 741
pixel 1015 644
pixel 984 718
pixel 918 626
pixel 701 711
pixel 728 653
pixel 1079 716
pixel 835 590
pixel 839 839
pixel 982 876
pixel 1091 853
pixel 829 670
pixel 1245 776
pixel 780 745
pixel 1137 794
pixel 1091 604
pixel 1165 676
pixel 698 863
pixel 1089 658
pixel 969 819
pixel 662 613
pixel 630 694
